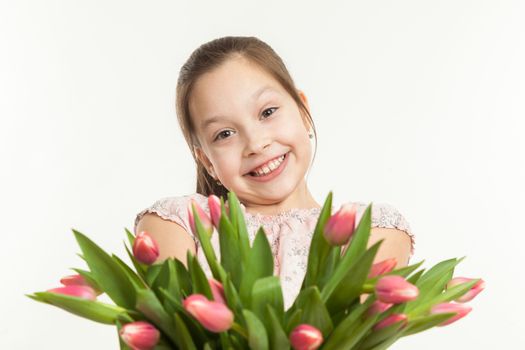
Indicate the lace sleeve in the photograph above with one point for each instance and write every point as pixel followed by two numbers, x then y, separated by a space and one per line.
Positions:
pixel 387 216
pixel 174 209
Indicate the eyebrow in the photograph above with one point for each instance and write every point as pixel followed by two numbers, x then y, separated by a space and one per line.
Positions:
pixel 206 123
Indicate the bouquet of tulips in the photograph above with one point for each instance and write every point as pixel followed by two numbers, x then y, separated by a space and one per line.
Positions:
pixel 345 302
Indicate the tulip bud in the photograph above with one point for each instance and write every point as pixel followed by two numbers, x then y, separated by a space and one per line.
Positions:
pixel 390 320
pixel 468 296
pixel 217 290
pixel 140 335
pixel 306 337
pixel 204 218
pixel 84 292
pixel 145 249
pixel 461 310
pixel 395 289
pixel 212 315
pixel 382 267
pixel 340 226
pixel 214 203
pixel 78 280
pixel 378 307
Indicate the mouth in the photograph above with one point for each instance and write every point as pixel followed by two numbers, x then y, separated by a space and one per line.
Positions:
pixel 270 168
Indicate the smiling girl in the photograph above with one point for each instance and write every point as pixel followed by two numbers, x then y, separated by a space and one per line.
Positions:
pixel 249 130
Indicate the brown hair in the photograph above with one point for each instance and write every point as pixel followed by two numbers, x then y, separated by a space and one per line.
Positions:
pixel 210 56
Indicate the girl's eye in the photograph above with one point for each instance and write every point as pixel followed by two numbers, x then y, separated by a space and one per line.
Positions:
pixel 268 109
pixel 218 137
pixel 222 133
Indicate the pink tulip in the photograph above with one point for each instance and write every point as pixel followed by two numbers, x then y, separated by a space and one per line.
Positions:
pixel 306 337
pixel 395 289
pixel 84 292
pixel 390 320
pixel 212 315
pixel 217 290
pixel 214 203
pixel 468 296
pixel 378 307
pixel 145 249
pixel 341 225
pixel 140 335
pixel 77 280
pixel 204 218
pixel 382 267
pixel 461 309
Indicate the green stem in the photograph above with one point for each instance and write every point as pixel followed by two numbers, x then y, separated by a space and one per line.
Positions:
pixel 368 288
pixel 237 327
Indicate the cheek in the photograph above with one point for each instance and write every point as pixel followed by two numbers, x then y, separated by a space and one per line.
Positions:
pixel 225 163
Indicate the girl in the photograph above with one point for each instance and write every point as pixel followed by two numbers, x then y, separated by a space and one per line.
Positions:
pixel 249 130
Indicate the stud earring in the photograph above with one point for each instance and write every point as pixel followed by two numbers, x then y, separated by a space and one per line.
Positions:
pixel 310 135
pixel 216 181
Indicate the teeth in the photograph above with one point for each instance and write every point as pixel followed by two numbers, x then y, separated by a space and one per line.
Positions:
pixel 269 167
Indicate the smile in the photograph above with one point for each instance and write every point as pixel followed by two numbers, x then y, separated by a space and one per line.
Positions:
pixel 269 170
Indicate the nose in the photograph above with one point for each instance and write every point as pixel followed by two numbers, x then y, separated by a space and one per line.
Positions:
pixel 257 143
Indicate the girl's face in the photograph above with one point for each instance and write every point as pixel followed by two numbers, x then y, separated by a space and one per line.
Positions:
pixel 243 119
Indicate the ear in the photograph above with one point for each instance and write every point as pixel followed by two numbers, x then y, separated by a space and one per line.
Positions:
pixel 203 158
pixel 303 98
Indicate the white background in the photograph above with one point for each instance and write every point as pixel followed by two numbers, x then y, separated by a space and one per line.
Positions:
pixel 419 104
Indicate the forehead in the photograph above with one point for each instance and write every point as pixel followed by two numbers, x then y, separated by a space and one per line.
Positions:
pixel 233 86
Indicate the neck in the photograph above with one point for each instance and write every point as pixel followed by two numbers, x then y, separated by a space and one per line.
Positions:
pixel 300 199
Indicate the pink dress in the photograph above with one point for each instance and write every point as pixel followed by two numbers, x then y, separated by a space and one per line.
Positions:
pixel 289 233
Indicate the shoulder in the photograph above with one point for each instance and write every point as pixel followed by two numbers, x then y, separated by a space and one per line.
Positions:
pixel 173 208
pixel 386 215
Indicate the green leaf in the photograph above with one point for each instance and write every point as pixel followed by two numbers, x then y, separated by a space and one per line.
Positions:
pixel 415 277
pixel 420 324
pixel 133 277
pixel 259 265
pixel 107 273
pixel 355 250
pixel 315 312
pixel 267 292
pixel 207 248
pixel 351 284
pixel 448 295
pixel 432 283
pixel 88 276
pixel 257 336
pixel 331 262
pixel 237 219
pixel 166 278
pixel 130 236
pixel 292 319
pixel 233 300
pixel 152 272
pixel 183 277
pixel 199 280
pixel 376 337
pixel 182 336
pixel 150 306
pixel 225 341
pixel 92 310
pixel 230 249
pixel 351 329
pixel 319 247
pixel 276 334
